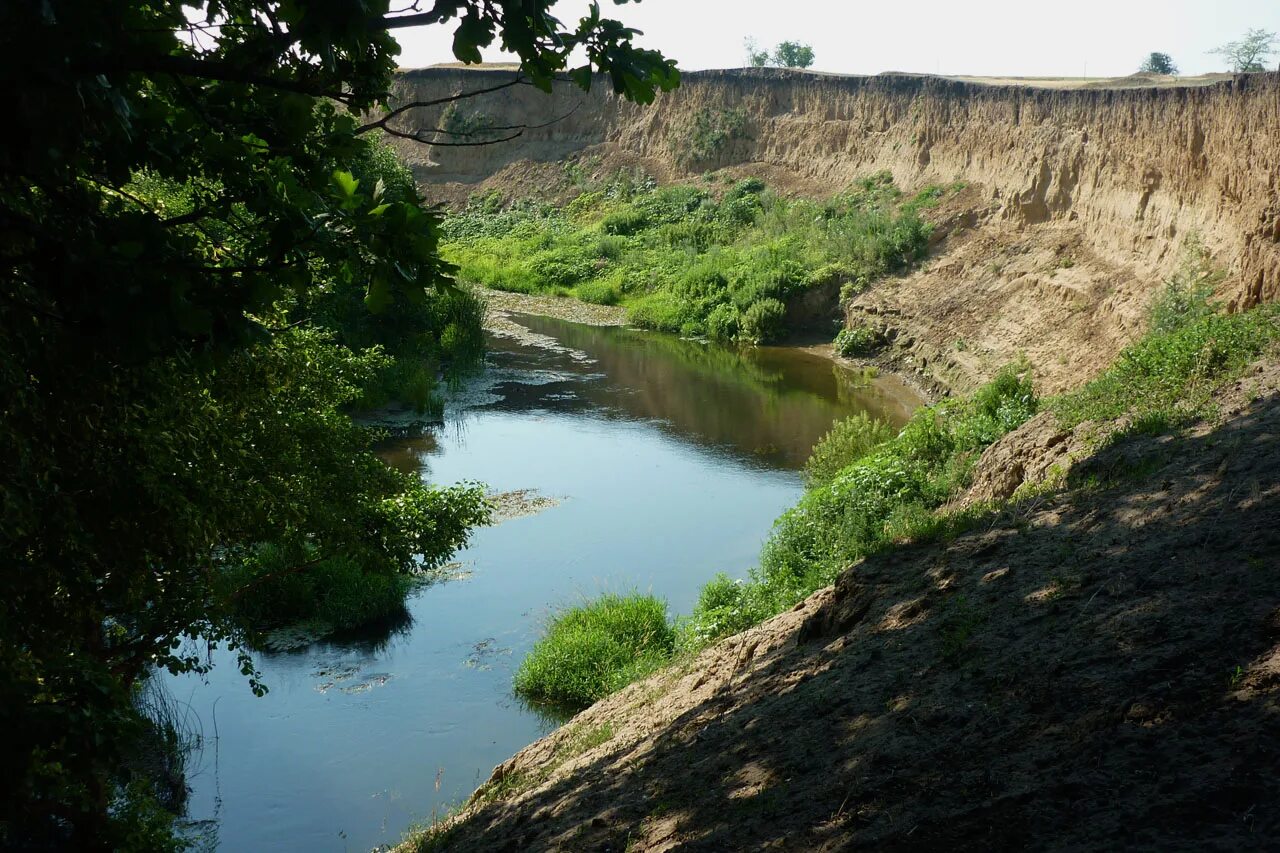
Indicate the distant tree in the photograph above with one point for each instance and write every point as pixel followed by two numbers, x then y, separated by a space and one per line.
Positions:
pixel 788 54
pixel 756 58
pixel 1250 53
pixel 793 54
pixel 1158 63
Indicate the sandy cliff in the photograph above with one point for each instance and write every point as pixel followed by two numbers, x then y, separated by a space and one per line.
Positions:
pixel 1079 199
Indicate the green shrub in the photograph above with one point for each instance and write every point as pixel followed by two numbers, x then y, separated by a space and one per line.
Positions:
pixel 883 494
pixel 849 440
pixel 705 134
pixel 661 311
pixel 747 248
pixel 600 291
pixel 764 321
pixel 273 589
pixel 1186 297
pixel 625 222
pixel 563 266
pixel 723 323
pixel 593 650
pixel 857 341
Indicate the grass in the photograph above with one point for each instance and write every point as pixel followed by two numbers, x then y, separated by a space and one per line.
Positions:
pixel 593 650
pixel 1171 374
pixel 685 259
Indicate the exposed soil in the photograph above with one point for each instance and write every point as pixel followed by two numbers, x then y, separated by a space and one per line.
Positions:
pixel 1096 669
pixel 1079 192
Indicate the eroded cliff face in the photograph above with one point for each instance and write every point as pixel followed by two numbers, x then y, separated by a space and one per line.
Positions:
pixel 1078 200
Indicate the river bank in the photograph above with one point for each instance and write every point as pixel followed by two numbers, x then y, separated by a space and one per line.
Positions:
pixel 502 307
pixel 1096 634
pixel 666 461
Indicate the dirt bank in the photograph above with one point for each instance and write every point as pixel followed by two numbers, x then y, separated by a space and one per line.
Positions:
pixel 1079 193
pixel 1097 669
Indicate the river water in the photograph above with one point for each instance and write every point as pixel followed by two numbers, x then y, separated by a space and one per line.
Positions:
pixel 670 460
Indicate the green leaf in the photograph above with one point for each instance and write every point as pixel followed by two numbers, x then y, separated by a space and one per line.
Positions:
pixel 345 183
pixel 378 297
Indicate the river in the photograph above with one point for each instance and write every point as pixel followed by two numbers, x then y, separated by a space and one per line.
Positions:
pixel 667 460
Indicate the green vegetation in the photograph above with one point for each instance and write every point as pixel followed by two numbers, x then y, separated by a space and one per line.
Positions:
pixel 788 54
pixel 857 341
pixel 865 506
pixel 683 260
pixel 706 134
pixel 849 440
pixel 1158 63
pixel 870 490
pixel 1170 375
pixel 590 651
pixel 207 265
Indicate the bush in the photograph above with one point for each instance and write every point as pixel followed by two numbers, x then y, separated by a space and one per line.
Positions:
pixel 624 222
pixel 706 133
pixel 746 248
pixel 764 321
pixel 848 441
pixel 1174 370
pixel 884 492
pixel 337 592
pixel 600 291
pixel 723 323
pixel 593 650
pixel 857 341
pixel 661 311
pixel 563 266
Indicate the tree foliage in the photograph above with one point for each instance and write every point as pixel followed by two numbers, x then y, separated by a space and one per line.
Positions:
pixel 792 54
pixel 788 54
pixel 205 264
pixel 1249 53
pixel 1158 63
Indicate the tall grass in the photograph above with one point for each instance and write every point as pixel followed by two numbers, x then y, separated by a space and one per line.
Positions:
pixel 849 440
pixel 590 651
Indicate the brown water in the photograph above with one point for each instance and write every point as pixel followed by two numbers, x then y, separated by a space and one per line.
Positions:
pixel 671 457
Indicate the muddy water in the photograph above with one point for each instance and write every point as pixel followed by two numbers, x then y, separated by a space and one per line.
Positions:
pixel 664 461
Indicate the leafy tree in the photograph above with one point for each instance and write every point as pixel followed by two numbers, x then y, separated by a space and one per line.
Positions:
pixel 788 54
pixel 1158 63
pixel 1250 53
pixel 792 54
pixel 192 217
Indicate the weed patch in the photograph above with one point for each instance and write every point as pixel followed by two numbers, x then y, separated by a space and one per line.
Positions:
pixel 593 650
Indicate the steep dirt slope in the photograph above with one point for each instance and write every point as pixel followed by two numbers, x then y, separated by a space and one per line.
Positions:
pixel 1095 670
pixel 1078 198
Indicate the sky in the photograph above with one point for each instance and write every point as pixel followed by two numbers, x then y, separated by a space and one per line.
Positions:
pixel 1024 38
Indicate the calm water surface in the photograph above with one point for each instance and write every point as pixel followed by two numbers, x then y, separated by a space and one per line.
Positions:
pixel 672 459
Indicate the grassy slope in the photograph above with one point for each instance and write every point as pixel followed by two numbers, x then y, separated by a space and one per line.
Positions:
pixel 720 261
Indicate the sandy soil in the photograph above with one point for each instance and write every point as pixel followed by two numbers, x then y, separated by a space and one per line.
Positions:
pixel 1096 670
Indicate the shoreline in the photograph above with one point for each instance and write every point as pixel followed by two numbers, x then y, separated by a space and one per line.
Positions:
pixel 501 304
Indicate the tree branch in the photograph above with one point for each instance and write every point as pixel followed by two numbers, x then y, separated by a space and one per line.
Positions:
pixel 416 137
pixel 413 105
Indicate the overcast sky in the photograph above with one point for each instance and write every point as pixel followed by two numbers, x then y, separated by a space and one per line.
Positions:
pixel 980 37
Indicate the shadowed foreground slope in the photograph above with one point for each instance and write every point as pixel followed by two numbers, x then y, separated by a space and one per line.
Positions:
pixel 1092 669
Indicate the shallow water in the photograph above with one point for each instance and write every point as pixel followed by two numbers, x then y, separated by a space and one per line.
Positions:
pixel 671 459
